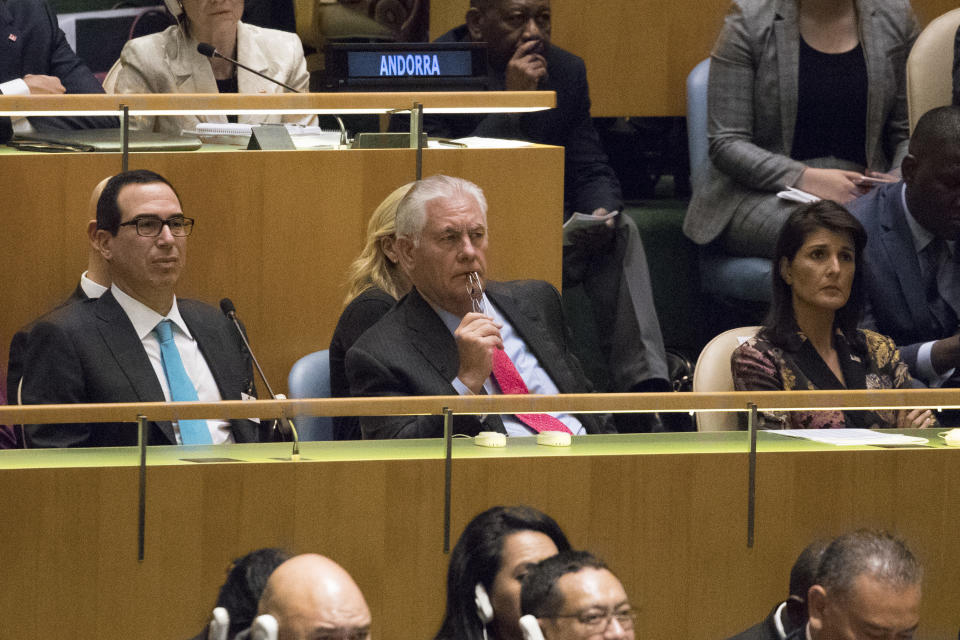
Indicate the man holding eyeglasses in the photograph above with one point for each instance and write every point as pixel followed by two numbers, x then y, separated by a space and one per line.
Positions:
pixel 573 595
pixel 138 342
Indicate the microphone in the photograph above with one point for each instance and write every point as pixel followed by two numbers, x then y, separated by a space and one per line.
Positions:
pixel 208 50
pixel 229 310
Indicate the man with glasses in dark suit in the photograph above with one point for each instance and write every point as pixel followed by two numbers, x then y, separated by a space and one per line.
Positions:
pixel 138 342
pixel 574 595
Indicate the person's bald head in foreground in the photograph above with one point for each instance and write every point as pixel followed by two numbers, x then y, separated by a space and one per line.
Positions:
pixel 96 266
pixel 312 597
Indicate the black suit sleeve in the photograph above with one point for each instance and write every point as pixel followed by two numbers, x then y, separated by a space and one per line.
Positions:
pixel 590 181
pixel 55 376
pixel 45 51
pixel 371 377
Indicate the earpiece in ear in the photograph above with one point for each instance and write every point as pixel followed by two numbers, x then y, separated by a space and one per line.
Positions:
pixel 484 608
pixel 530 627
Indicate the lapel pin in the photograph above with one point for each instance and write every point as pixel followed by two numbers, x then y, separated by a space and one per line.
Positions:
pixel 12 37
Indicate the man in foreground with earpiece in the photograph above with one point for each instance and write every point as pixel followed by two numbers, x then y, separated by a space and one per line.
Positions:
pixel 573 595
pixel 36 59
pixel 791 614
pixel 138 342
pixel 311 596
pixel 458 333
pixel 868 585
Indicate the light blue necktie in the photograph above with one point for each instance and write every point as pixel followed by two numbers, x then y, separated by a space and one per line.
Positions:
pixel 181 388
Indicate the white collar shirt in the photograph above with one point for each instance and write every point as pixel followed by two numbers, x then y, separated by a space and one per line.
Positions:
pixel 534 375
pixel 145 320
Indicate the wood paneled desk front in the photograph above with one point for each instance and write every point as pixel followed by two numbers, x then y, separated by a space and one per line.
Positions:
pixel 668 512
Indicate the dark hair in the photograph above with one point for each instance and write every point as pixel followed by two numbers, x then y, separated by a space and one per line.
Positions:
pixel 780 327
pixel 538 596
pixel 935 129
pixel 245 582
pixel 802 577
pixel 109 215
pixel 477 557
pixel 874 553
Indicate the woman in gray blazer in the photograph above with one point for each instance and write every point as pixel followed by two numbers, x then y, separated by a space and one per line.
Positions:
pixel 802 93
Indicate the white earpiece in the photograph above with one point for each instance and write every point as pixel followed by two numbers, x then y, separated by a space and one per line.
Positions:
pixel 174 7
pixel 531 628
pixel 484 608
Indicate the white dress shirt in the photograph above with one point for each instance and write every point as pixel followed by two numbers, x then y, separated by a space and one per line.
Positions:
pixel 17 87
pixel 90 288
pixel 145 320
pixel 534 376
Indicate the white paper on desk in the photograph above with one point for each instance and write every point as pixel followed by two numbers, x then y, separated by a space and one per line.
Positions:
pixel 238 133
pixel 851 437
pixel 796 195
pixel 476 142
pixel 579 221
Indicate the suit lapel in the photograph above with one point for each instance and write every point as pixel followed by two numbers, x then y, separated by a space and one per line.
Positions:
pixel 116 331
pixel 11 50
pixel 433 339
pixel 192 72
pixel 787 34
pixel 902 257
pixel 530 326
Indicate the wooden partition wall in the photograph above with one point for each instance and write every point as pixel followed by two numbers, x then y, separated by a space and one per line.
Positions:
pixel 275 229
pixel 638 52
pixel 668 512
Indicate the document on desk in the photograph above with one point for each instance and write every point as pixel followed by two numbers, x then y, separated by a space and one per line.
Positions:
pixel 851 437
pixel 476 142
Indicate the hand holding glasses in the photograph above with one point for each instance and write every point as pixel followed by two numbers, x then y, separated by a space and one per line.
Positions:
pixel 475 289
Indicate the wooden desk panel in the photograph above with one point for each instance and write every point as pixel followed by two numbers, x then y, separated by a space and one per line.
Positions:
pixel 638 52
pixel 672 525
pixel 275 229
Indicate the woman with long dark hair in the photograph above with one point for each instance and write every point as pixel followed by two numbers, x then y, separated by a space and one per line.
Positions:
pixel 486 567
pixel 810 339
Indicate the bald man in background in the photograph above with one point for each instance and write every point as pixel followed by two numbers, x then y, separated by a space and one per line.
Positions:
pixel 93 282
pixel 311 595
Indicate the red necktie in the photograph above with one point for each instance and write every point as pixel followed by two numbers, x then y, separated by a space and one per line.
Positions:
pixel 507 376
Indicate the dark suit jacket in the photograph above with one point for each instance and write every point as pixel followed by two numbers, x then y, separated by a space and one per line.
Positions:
pixel 898 306
pixel 767 630
pixel 410 352
pixel 89 352
pixel 39 47
pixel 18 346
pixel 589 182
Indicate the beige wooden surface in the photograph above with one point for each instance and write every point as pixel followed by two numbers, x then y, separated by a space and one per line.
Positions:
pixel 638 52
pixel 275 230
pixel 673 527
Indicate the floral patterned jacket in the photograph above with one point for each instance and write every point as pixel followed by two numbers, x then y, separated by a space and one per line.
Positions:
pixel 758 365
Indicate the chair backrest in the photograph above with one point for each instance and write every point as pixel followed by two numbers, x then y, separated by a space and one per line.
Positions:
pixel 712 373
pixel 310 378
pixel 930 67
pixel 697 143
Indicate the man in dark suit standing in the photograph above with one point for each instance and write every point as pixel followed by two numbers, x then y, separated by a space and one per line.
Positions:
pixel 608 258
pixel 912 274
pixel 35 58
pixel 138 342
pixel 456 334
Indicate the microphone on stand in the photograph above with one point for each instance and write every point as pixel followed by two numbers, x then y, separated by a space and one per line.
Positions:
pixel 229 310
pixel 208 50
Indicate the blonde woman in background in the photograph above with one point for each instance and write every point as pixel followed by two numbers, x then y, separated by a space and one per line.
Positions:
pixel 375 282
